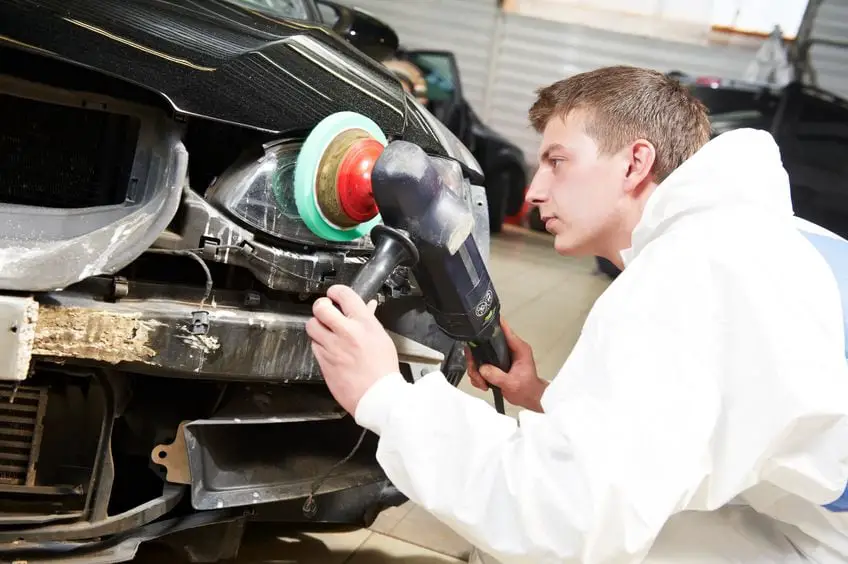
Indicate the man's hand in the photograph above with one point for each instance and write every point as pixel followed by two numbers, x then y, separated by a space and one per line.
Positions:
pixel 351 346
pixel 521 386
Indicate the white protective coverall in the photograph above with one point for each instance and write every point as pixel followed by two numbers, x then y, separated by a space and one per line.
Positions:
pixel 701 417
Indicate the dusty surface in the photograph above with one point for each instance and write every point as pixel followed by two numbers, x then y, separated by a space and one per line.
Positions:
pixel 19 315
pixel 92 334
pixel 545 298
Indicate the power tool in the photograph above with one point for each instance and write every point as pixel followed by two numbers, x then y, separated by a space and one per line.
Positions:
pixel 349 181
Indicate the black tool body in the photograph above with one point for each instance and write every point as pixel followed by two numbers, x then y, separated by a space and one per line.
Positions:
pixel 417 205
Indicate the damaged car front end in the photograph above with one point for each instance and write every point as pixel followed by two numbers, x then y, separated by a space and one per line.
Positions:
pixel 157 381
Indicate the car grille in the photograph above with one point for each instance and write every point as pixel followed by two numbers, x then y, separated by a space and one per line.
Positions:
pixel 21 415
pixel 64 157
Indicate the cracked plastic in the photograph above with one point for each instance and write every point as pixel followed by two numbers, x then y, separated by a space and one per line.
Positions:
pixel 44 249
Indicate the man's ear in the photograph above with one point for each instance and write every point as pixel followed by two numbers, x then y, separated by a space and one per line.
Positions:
pixel 641 156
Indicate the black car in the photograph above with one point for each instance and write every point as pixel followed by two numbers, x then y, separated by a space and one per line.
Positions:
pixel 157 381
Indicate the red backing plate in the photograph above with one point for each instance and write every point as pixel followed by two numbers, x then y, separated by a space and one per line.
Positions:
pixel 354 180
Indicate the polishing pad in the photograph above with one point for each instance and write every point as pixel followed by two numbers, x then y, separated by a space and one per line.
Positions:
pixel 334 134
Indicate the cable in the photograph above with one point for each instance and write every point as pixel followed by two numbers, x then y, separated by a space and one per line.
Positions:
pixel 310 507
pixel 193 254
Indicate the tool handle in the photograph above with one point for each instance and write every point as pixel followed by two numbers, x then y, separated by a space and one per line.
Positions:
pixel 495 351
pixel 392 248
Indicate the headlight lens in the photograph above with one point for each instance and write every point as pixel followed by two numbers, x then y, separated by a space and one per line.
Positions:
pixel 452 144
pixel 260 193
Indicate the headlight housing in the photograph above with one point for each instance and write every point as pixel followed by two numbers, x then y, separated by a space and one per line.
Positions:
pixel 260 193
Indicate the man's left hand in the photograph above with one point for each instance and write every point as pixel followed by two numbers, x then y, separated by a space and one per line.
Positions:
pixel 351 346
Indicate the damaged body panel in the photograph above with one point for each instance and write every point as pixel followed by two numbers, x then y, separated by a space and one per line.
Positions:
pixel 157 383
pixel 163 337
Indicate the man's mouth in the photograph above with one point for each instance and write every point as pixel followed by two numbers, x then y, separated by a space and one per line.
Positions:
pixel 549 223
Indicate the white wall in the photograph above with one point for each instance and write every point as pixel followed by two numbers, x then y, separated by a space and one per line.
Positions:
pixel 535 52
pixel 831 63
pixel 697 15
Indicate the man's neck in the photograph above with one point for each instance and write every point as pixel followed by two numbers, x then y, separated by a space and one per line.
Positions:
pixel 622 236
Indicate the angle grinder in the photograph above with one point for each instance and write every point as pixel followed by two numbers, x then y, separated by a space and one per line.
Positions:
pixel 350 182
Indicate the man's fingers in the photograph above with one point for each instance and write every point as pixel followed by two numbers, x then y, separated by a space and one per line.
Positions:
pixel 493 375
pixel 473 374
pixel 327 313
pixel 477 381
pixel 516 345
pixel 349 301
pixel 320 353
pixel 319 333
pixel 372 306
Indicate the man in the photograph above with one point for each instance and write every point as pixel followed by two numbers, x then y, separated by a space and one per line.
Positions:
pixel 702 416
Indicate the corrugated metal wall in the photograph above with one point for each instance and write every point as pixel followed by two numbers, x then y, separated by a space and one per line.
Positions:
pixel 465 27
pixel 503 58
pixel 831 63
pixel 535 52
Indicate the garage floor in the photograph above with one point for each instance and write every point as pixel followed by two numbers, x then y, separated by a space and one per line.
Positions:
pixel 545 299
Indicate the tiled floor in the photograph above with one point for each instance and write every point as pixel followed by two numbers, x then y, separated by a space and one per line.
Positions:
pixel 545 298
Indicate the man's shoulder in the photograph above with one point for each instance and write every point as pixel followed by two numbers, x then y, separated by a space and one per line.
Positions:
pixel 758 258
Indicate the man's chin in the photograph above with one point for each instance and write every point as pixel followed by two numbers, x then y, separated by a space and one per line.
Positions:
pixel 568 248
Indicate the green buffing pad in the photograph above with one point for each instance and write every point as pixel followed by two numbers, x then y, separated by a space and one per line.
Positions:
pixel 306 173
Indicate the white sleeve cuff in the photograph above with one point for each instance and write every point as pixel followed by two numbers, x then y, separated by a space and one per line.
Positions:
pixel 374 408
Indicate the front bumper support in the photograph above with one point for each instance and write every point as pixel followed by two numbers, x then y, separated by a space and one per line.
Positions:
pixel 169 338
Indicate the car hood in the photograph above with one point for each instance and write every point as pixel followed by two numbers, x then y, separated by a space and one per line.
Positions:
pixel 214 59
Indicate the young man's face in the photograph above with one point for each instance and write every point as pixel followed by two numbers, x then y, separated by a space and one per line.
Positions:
pixel 580 193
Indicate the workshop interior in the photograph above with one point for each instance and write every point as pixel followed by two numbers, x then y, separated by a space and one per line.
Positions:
pixel 180 181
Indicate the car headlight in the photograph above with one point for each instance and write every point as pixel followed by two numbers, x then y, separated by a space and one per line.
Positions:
pixel 259 191
pixel 453 146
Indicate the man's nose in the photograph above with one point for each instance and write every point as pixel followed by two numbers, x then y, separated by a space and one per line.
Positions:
pixel 536 194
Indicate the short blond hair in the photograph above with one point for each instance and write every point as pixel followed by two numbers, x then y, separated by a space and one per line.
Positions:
pixel 627 103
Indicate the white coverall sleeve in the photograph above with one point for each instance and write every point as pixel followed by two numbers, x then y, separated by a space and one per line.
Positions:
pixel 623 444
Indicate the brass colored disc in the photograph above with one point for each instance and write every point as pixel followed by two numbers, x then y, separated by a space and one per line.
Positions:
pixel 326 193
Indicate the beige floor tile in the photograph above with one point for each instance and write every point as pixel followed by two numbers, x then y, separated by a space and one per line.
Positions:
pixel 421 528
pixel 272 545
pixel 379 549
pixel 389 518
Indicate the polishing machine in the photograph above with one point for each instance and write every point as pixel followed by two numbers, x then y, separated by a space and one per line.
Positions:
pixel 350 182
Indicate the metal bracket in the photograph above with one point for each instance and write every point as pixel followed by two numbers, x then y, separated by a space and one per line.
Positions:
pixel 199 322
pixel 209 247
pixel 174 457
pixel 421 359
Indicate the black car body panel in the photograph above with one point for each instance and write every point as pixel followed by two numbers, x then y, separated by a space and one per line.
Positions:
pixel 216 60
pixel 362 30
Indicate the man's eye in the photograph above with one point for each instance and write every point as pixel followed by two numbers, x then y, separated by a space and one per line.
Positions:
pixel 555 163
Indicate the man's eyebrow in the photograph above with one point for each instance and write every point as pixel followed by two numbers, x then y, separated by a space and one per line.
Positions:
pixel 550 149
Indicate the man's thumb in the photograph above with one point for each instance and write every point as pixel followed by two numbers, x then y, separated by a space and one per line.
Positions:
pixel 492 374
